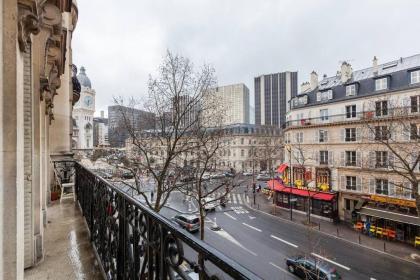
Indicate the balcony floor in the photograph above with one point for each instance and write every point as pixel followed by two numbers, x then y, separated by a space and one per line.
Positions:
pixel 68 252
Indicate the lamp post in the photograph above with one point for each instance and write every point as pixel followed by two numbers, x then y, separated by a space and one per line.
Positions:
pixel 289 149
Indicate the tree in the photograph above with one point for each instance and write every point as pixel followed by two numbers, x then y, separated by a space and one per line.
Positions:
pixel 178 99
pixel 393 142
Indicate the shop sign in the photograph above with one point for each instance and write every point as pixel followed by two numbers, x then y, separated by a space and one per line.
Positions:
pixel 392 200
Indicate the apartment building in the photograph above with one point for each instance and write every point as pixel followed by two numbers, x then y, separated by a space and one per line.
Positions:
pixel 356 133
pixel 235 102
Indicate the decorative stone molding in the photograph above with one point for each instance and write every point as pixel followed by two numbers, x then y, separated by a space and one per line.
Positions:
pixel 28 24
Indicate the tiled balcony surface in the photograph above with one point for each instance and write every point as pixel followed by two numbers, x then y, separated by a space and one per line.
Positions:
pixel 68 252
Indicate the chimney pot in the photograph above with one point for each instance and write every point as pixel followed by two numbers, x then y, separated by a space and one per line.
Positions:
pixel 314 80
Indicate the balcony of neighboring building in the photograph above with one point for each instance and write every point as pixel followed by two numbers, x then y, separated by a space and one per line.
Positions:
pixel 103 233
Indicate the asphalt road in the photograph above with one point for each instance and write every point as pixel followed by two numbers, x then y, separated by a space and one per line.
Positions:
pixel 261 242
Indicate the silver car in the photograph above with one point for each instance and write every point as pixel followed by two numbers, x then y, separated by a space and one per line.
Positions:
pixel 189 222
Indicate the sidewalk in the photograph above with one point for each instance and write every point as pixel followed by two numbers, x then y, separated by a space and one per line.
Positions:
pixel 342 231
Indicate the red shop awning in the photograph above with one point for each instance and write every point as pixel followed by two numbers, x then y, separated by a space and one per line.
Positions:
pixel 282 167
pixel 280 187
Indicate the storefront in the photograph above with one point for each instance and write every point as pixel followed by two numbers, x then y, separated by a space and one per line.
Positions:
pixel 323 178
pixel 321 203
pixel 390 218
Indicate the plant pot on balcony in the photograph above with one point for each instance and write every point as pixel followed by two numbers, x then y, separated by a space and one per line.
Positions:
pixel 55 196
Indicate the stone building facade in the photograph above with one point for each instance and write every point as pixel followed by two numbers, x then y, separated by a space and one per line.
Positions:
pixel 341 130
pixel 36 107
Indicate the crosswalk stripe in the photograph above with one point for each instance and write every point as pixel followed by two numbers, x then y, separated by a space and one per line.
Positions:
pixel 247 199
pixel 239 198
pixel 233 198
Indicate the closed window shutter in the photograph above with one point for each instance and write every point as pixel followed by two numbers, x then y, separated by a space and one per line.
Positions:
pixel 342 158
pixel 358 134
pixel 330 158
pixel 330 94
pixel 358 183
pixel 391 188
pixel 372 186
pixel 359 159
pixel 372 159
pixel 343 134
pixel 318 96
pixel 325 136
pixel 390 160
pixel 316 136
pixel 317 157
pixel 343 182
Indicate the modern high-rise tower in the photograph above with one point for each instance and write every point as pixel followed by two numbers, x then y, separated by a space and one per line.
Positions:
pixel 272 94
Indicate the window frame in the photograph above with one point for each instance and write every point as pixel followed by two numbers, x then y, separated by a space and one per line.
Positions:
pixel 323 117
pixel 382 109
pixel 416 75
pixel 350 186
pixel 381 184
pixel 381 84
pixel 351 111
pixel 351 90
pixel 323 157
pixel 351 158
pixel 352 136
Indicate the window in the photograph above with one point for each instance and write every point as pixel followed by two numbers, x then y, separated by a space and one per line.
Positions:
pixel 350 135
pixel 323 136
pixel 323 157
pixel 350 111
pixel 381 84
pixel 382 133
pixel 415 77
pixel 381 108
pixel 348 203
pixel 351 158
pixel 351 183
pixel 324 114
pixel 415 103
pixel 299 137
pixel 381 186
pixel 414 132
pixel 324 95
pixel 351 90
pixel 242 141
pixel 242 153
pixel 381 159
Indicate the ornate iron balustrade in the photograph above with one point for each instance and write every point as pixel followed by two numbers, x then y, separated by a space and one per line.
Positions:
pixel 134 242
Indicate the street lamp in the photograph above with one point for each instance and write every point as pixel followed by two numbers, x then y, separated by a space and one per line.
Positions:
pixel 289 149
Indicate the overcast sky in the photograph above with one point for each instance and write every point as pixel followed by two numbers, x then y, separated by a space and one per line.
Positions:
pixel 121 42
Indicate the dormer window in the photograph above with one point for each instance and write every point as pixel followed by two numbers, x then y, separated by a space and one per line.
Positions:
pixel 351 90
pixel 324 95
pixel 381 84
pixel 415 77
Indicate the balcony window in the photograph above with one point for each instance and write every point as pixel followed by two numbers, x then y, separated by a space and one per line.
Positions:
pixel 415 77
pixel 382 133
pixel 381 159
pixel 323 136
pixel 381 186
pixel 299 137
pixel 323 114
pixel 323 157
pixel 350 111
pixel 351 183
pixel 381 108
pixel 351 158
pixel 414 132
pixel 381 84
pixel 415 103
pixel 350 134
pixel 351 90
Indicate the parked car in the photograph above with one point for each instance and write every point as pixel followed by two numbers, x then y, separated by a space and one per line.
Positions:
pixel 217 176
pixel 206 176
pixel 312 269
pixel 189 222
pixel 209 203
pixel 247 173
pixel 229 174
pixel 127 175
pixel 263 177
pixel 106 175
pixel 193 275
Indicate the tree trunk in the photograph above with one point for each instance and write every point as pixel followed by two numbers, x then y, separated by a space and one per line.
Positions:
pixel 202 217
pixel 415 191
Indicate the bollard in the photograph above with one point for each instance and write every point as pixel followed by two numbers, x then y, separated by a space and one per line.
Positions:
pixel 384 247
pixel 258 205
pixel 319 226
pixel 337 232
pixel 360 241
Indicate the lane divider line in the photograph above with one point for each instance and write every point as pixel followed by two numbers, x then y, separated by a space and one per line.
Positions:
pixel 328 260
pixel 254 228
pixel 230 216
pixel 284 241
pixel 279 268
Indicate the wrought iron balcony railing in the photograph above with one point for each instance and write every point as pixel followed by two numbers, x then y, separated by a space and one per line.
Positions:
pixel 133 242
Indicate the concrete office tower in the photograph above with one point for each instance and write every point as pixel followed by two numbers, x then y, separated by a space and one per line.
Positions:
pixel 272 95
pixel 235 99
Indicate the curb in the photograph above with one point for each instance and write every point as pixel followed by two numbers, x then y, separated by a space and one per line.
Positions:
pixel 334 236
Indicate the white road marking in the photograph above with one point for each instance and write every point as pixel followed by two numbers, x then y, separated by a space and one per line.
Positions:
pixel 233 198
pixel 226 235
pixel 219 208
pixel 371 278
pixel 239 199
pixel 281 269
pixel 251 217
pixel 230 216
pixel 247 199
pixel 328 260
pixel 254 228
pixel 284 241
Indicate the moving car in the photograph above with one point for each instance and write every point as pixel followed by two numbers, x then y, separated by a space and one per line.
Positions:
pixel 217 176
pixel 209 203
pixel 189 222
pixel 263 177
pixel 311 269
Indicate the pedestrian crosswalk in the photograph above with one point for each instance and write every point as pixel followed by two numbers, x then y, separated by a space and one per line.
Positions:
pixel 235 198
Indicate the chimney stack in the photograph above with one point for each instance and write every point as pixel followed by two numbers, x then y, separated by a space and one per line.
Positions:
pixel 375 65
pixel 102 114
pixel 314 80
pixel 346 72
